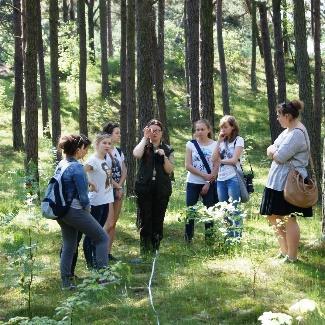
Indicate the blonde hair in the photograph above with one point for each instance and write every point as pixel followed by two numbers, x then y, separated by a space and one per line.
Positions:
pixel 233 123
pixel 101 136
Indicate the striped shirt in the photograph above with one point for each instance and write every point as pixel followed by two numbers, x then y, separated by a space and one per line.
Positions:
pixel 293 149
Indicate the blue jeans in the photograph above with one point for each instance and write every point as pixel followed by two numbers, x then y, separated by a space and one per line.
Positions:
pixel 99 212
pixel 192 196
pixel 230 189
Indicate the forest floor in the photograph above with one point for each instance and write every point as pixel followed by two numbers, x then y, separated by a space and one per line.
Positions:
pixel 191 284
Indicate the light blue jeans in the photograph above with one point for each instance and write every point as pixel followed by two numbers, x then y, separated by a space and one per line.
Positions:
pixel 230 189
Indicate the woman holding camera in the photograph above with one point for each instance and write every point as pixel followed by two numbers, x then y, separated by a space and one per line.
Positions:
pixel 290 148
pixel 228 151
pixel 153 185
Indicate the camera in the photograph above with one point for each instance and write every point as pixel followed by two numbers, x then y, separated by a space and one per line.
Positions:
pixel 249 182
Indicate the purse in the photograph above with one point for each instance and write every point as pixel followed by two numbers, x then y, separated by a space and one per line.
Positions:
pixel 244 195
pixel 300 192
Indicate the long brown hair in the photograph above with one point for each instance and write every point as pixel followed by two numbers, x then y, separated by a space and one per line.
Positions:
pixel 233 123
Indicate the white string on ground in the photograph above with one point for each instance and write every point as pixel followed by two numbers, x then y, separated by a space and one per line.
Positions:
pixel 149 286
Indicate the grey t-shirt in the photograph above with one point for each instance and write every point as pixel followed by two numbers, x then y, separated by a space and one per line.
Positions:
pixel 292 148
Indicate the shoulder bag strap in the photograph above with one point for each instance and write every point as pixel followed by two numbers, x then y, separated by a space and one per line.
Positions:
pixel 199 151
pixel 311 162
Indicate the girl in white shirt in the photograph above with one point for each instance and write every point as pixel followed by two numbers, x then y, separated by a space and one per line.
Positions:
pixel 199 181
pixel 227 155
pixel 101 192
pixel 119 172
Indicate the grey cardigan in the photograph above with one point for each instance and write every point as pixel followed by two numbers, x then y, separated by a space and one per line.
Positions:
pixel 292 148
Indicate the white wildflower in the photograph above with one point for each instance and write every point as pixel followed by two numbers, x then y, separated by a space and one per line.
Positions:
pixel 303 306
pixel 269 318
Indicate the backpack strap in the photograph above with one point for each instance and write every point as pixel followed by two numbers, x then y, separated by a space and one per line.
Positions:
pixel 199 151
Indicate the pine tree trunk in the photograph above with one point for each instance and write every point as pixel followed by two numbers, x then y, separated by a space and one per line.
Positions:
pixel 144 63
pixel 323 194
pixel 158 58
pixel 186 69
pixel 318 87
pixel 285 28
pixel 42 75
pixel 103 45
pixel 222 60
pixel 31 116
pixel 131 101
pixel 206 60
pixel 253 62
pixel 279 55
pixel 83 126
pixel 259 41
pixel 65 9
pixel 72 10
pixel 23 26
pixel 91 31
pixel 303 70
pixel 193 37
pixel 269 74
pixel 123 51
pixel 55 83
pixel 17 132
pixel 110 47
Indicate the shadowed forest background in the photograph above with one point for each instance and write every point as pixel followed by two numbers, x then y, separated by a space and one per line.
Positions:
pixel 71 66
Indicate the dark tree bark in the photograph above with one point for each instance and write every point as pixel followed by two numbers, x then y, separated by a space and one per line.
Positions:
pixel 318 87
pixel 186 70
pixel 144 63
pixel 193 37
pixel 17 132
pixel 72 10
pixel 312 14
pixel 253 62
pixel 65 10
pixel 55 83
pixel 91 29
pixel 158 59
pixel 123 51
pixel 259 41
pixel 131 101
pixel 103 44
pixel 31 116
pixel 269 74
pixel 279 55
pixel 206 60
pixel 42 75
pixel 285 28
pixel 23 23
pixel 222 60
pixel 110 48
pixel 323 195
pixel 303 70
pixel 83 126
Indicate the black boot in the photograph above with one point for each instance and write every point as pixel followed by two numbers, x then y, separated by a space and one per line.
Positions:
pixel 155 243
pixel 145 246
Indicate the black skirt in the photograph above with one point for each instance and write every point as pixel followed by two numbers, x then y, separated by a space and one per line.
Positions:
pixel 273 202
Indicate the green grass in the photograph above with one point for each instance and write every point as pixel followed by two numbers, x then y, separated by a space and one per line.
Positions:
pixel 194 284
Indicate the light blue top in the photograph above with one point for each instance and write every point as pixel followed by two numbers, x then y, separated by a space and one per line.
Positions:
pixel 292 148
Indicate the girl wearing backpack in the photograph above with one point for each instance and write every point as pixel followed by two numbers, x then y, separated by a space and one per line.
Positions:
pixel 116 159
pixel 78 217
pixel 101 193
pixel 227 154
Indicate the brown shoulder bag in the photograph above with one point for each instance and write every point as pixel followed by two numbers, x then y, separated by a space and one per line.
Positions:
pixel 299 192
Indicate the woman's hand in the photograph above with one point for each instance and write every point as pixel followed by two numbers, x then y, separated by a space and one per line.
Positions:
pixel 221 136
pixel 92 186
pixel 205 189
pixel 209 177
pixel 147 132
pixel 160 152
pixel 270 151
pixel 119 194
